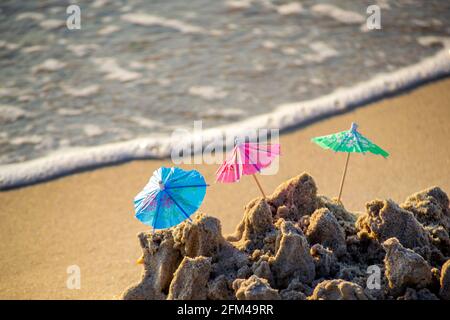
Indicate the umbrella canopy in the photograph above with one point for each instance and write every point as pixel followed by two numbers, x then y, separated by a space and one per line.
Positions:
pixel 349 141
pixel 171 196
pixel 246 159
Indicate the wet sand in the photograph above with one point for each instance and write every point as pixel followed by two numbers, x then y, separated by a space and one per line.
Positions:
pixel 86 219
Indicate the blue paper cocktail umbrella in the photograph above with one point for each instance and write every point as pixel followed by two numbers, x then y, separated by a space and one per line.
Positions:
pixel 171 196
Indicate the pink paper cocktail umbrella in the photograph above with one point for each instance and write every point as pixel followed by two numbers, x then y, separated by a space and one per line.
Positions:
pixel 247 158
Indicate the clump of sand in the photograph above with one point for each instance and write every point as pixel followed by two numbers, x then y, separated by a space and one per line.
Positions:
pixel 299 245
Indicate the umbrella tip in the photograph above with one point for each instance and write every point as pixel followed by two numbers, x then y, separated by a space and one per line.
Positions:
pixel 354 126
pixel 161 185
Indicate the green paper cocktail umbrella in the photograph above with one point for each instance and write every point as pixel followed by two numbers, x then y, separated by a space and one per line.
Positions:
pixel 348 141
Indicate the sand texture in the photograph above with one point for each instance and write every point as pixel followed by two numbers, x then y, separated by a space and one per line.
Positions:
pixel 270 256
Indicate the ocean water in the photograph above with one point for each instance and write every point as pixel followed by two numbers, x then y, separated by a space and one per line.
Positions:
pixel 137 70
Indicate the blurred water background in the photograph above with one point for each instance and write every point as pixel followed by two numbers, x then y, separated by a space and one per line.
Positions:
pixel 143 68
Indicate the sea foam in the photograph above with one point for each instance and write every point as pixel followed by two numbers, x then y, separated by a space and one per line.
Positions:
pixel 144 19
pixel 340 15
pixel 284 116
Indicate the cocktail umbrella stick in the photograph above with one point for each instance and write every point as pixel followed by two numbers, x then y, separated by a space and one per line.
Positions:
pixel 259 186
pixel 343 177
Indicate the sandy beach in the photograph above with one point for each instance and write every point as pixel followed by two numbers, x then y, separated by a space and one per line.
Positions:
pixel 87 219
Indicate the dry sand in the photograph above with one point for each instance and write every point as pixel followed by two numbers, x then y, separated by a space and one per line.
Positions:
pixel 87 219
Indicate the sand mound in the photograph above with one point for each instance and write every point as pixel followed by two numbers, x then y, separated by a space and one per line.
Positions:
pixel 324 229
pixel 190 280
pixel 404 267
pixel 292 259
pixel 445 281
pixel 254 288
pixel 385 219
pixel 338 290
pixel 299 245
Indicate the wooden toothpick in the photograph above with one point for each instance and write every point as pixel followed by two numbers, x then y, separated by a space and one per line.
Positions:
pixel 343 177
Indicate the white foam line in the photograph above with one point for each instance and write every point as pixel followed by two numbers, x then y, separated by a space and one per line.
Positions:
pixel 286 115
pixel 341 15
pixel 151 20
